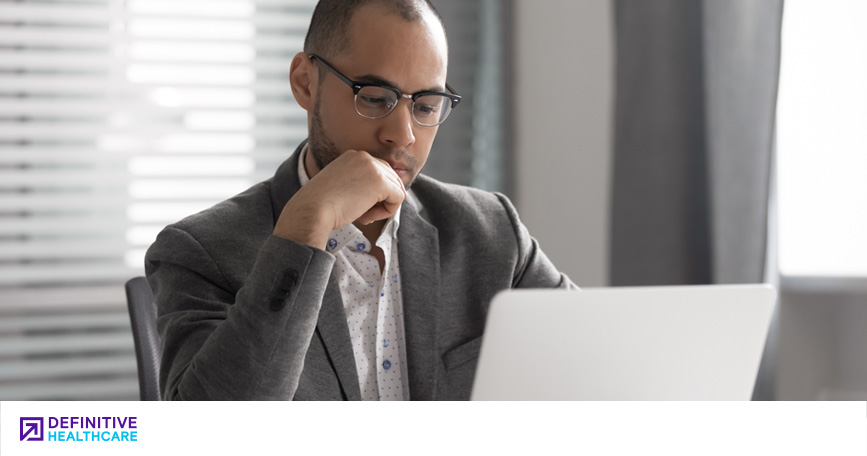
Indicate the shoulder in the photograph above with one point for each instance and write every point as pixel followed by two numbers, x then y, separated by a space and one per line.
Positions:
pixel 220 242
pixel 432 192
pixel 245 214
pixel 459 207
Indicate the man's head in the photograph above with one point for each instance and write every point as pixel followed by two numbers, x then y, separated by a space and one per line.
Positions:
pixel 398 43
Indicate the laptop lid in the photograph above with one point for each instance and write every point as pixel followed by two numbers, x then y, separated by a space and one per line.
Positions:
pixel 634 343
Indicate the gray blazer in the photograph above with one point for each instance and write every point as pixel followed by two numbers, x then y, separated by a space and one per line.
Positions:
pixel 243 314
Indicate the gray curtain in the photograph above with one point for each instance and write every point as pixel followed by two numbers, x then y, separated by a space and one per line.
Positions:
pixel 695 108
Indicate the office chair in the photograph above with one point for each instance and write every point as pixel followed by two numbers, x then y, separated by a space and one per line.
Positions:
pixel 143 316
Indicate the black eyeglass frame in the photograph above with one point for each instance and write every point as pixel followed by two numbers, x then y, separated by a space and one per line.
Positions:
pixel 358 85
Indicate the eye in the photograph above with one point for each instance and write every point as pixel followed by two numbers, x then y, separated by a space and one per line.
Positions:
pixel 426 109
pixel 373 100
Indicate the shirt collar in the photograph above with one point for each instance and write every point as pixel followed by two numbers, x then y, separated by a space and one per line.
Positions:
pixel 344 235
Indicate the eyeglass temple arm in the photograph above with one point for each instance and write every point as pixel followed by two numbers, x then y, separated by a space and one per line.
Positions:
pixel 457 97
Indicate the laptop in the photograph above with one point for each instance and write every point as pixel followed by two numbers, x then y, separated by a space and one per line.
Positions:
pixel 634 343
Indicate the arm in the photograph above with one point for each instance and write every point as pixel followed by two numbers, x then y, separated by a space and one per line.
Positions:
pixel 251 345
pixel 248 346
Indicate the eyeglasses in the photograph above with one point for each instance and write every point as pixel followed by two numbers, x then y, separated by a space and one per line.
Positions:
pixel 375 101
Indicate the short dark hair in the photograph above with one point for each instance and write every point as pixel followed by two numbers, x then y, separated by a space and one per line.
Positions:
pixel 327 35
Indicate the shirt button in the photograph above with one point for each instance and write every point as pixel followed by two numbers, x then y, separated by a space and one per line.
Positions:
pixel 386 364
pixel 332 243
pixel 360 246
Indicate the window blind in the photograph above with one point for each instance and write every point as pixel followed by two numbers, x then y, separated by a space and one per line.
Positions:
pixel 118 117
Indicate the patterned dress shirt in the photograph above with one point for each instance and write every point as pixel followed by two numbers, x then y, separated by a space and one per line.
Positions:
pixel 373 305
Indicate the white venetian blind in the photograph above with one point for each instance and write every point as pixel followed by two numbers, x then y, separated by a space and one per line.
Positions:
pixel 117 118
pixel 120 117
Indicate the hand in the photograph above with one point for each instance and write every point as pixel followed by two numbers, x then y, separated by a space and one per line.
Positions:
pixel 354 187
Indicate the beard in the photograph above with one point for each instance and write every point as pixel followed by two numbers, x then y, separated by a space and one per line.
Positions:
pixel 324 150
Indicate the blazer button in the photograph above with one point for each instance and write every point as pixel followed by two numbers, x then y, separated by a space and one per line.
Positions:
pixel 290 278
pixel 277 304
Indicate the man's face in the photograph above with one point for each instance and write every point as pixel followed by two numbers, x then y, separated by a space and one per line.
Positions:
pixel 384 49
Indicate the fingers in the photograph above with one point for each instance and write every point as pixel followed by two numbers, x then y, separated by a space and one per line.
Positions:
pixel 396 193
pixel 357 187
pixel 391 174
pixel 387 207
pixel 394 190
pixel 378 212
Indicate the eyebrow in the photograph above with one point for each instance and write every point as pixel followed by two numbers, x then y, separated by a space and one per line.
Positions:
pixel 374 79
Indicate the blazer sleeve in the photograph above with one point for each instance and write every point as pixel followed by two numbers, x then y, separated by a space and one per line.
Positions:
pixel 533 268
pixel 220 345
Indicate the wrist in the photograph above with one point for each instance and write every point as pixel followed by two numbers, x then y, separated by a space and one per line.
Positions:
pixel 310 227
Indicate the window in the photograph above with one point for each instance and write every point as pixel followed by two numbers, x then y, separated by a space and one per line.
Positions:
pixel 822 140
pixel 118 117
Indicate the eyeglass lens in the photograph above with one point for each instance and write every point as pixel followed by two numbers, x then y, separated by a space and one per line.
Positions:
pixel 375 102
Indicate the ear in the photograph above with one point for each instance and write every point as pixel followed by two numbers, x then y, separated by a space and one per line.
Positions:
pixel 303 78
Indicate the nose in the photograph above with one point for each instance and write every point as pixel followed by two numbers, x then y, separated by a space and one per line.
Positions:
pixel 397 126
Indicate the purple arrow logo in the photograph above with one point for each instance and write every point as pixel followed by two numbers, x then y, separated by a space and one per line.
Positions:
pixel 31 428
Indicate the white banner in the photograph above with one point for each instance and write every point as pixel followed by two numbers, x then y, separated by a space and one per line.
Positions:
pixel 671 428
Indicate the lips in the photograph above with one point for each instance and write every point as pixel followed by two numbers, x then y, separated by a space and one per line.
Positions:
pixel 398 166
pixel 402 173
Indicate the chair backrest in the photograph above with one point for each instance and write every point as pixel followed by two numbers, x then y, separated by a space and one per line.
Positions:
pixel 143 316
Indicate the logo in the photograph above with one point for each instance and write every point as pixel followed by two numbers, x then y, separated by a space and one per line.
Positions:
pixel 79 429
pixel 31 428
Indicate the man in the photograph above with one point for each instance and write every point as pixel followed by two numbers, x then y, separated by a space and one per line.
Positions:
pixel 347 275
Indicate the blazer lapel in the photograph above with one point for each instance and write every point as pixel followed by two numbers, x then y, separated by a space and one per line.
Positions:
pixel 418 252
pixel 334 330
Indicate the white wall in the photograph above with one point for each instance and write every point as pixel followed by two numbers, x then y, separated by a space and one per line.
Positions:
pixel 564 73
